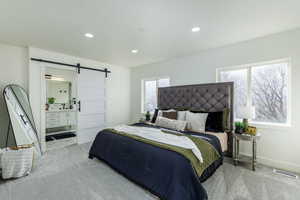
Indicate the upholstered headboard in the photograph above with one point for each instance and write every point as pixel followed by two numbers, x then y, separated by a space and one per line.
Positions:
pixel 209 97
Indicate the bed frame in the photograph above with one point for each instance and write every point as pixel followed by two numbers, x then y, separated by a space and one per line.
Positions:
pixel 209 97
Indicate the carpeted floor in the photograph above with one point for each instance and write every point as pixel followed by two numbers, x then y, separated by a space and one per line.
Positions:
pixel 67 174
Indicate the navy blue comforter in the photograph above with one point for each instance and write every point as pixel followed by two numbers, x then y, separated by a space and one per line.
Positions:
pixel 166 174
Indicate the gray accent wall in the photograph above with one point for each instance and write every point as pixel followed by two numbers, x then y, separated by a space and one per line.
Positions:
pixel 279 146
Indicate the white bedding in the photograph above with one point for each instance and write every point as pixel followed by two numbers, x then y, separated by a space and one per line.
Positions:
pixel 158 136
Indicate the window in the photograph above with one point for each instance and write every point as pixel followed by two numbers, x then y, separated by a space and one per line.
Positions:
pixel 265 86
pixel 149 99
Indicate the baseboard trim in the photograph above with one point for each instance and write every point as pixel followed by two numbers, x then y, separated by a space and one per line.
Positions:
pixel 276 163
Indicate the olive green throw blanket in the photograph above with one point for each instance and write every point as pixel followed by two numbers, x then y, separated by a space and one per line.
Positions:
pixel 209 153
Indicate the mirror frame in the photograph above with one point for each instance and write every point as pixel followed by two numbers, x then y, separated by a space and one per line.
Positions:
pixel 30 119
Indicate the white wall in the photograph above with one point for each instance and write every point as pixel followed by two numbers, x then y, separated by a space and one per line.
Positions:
pixel 13 69
pixel 118 96
pixel 279 146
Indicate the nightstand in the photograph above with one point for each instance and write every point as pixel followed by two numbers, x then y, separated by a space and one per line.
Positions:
pixel 245 137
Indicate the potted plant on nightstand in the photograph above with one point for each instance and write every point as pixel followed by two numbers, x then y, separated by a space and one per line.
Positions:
pixel 239 127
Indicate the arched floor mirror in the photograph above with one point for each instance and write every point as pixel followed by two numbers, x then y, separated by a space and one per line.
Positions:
pixel 21 123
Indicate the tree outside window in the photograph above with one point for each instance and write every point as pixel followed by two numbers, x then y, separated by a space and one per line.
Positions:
pixel 265 86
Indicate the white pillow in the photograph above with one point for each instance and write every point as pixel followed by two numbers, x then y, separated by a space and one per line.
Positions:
pixel 196 121
pixel 180 125
pixel 181 115
pixel 171 124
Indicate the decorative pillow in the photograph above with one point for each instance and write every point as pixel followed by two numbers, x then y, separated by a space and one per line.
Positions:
pixel 170 123
pixel 196 121
pixel 170 115
pixel 216 121
pixel 181 115
pixel 158 112
pixel 181 125
pixel 154 116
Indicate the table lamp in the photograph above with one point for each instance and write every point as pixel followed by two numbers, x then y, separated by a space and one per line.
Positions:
pixel 247 112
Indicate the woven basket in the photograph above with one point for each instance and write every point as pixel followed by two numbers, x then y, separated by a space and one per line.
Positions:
pixel 16 162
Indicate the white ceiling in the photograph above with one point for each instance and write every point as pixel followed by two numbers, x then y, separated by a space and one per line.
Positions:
pixel 159 29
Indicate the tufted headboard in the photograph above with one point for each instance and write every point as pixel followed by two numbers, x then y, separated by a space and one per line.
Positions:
pixel 209 97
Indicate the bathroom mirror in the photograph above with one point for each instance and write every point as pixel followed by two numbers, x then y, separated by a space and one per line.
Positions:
pixel 21 122
pixel 58 92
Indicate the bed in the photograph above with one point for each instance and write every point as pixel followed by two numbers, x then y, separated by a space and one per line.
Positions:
pixel 165 172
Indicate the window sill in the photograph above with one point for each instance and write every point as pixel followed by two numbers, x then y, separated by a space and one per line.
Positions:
pixel 270 125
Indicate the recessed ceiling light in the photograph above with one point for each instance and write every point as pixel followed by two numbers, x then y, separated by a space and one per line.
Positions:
pixel 196 29
pixel 89 35
pixel 134 51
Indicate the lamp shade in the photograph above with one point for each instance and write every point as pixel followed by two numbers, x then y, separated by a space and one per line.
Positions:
pixel 247 112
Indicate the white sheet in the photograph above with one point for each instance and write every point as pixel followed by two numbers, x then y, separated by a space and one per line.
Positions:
pixel 158 136
pixel 223 138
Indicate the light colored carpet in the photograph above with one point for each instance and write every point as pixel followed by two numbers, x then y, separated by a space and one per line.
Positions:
pixel 67 174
